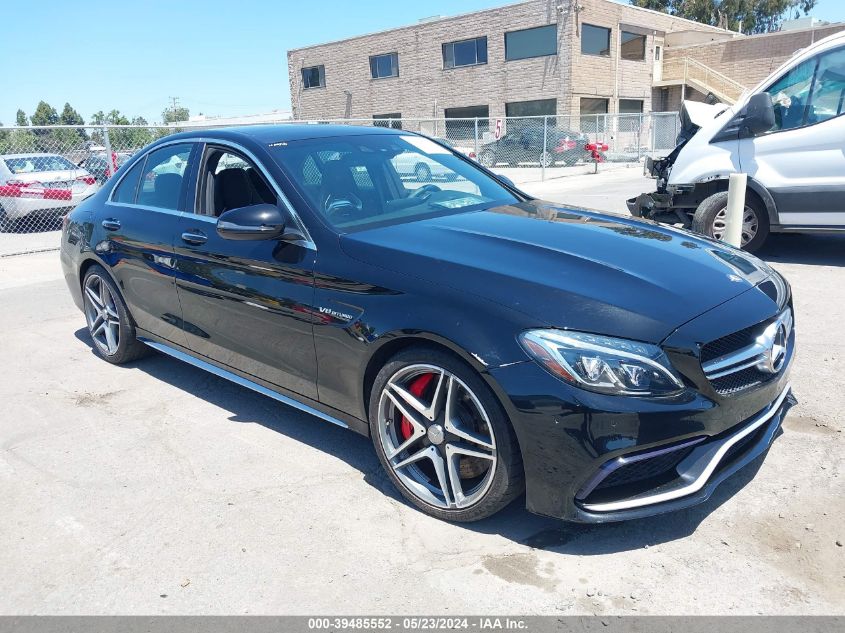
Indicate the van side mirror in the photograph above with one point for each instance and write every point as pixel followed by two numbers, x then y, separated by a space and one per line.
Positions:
pixel 255 222
pixel 759 114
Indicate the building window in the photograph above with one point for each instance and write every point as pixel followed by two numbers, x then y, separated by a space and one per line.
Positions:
pixel 535 42
pixel 630 106
pixel 540 107
pixel 392 120
pixel 633 46
pixel 314 77
pixel 592 110
pixel 460 122
pixel 382 66
pixel 465 53
pixel 595 40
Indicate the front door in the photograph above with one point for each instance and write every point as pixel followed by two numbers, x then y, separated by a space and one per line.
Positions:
pixel 138 223
pixel 801 161
pixel 245 303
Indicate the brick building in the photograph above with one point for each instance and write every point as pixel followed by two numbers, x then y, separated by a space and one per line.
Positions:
pixel 530 58
pixel 743 60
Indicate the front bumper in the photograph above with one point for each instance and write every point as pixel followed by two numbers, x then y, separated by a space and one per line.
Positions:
pixel 572 439
pixel 648 205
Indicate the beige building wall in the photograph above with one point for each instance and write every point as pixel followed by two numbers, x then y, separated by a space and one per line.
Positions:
pixel 425 89
pixel 749 60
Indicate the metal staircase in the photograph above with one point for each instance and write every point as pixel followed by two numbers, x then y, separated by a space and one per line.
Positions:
pixel 686 71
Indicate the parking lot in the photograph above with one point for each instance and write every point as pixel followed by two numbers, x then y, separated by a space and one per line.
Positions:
pixel 158 488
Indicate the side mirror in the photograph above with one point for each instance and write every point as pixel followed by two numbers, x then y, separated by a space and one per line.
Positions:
pixel 759 114
pixel 510 183
pixel 256 222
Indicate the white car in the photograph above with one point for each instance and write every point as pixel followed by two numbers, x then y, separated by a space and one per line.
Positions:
pixel 421 168
pixel 787 135
pixel 40 184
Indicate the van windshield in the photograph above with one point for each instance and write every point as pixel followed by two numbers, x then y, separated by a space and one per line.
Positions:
pixel 356 182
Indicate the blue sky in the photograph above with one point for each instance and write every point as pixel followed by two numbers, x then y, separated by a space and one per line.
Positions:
pixel 220 57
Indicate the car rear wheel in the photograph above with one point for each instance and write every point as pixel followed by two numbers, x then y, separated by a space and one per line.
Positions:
pixel 442 437
pixel 546 159
pixel 6 223
pixel 487 158
pixel 711 219
pixel 422 173
pixel 109 323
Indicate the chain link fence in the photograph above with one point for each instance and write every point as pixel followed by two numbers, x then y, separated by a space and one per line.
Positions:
pixel 47 171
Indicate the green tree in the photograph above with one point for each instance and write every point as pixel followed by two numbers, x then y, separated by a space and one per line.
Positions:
pixel 749 16
pixel 174 115
pixel 45 114
pixel 20 118
pixel 69 116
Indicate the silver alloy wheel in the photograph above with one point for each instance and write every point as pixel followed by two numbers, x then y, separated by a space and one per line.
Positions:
pixel 546 159
pixel 749 225
pixel 447 456
pixel 101 315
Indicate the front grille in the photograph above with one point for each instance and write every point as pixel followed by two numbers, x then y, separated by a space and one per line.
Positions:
pixel 731 343
pixel 731 362
pixel 743 379
pixel 644 469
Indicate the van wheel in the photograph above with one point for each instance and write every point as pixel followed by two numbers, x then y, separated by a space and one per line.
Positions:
pixel 709 219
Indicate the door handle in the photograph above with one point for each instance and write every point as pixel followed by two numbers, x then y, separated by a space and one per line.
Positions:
pixel 194 237
pixel 110 224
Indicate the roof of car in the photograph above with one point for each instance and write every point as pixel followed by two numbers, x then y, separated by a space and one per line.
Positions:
pixel 290 131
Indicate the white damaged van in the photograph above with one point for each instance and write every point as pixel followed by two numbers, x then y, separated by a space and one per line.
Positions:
pixel 788 135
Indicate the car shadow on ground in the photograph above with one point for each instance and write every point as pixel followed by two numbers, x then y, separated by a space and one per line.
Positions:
pixel 806 248
pixel 514 523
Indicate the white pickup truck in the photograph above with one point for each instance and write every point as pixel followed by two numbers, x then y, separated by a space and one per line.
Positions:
pixel 788 135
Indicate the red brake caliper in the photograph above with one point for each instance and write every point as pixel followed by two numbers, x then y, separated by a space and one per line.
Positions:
pixel 417 388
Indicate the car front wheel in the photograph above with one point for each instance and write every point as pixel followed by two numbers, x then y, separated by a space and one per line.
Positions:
pixel 442 437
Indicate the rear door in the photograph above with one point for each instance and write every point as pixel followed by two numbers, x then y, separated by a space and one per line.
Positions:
pixel 137 225
pixel 801 161
pixel 246 303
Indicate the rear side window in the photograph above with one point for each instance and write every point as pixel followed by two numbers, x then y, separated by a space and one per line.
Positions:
pixel 125 191
pixel 32 164
pixel 163 175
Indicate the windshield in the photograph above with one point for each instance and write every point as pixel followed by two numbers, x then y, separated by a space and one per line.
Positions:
pixel 359 181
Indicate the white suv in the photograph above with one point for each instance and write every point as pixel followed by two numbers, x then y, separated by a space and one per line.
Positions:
pixel 788 135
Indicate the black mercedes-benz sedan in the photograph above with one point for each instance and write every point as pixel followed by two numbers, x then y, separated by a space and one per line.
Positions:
pixel 489 343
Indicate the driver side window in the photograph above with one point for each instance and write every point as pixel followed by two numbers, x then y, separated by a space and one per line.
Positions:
pixel 811 92
pixel 230 181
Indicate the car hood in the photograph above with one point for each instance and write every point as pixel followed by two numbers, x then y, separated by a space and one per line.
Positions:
pixel 567 267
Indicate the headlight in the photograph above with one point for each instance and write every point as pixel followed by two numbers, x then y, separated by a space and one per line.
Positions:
pixel 603 364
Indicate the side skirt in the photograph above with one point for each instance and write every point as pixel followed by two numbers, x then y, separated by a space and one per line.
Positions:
pixel 356 425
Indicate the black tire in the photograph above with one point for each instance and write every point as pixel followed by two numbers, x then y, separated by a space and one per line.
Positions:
pixel 422 172
pixel 704 220
pixel 508 479
pixel 7 225
pixel 487 158
pixel 128 347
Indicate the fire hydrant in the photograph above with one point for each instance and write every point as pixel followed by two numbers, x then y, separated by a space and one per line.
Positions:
pixel 597 152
